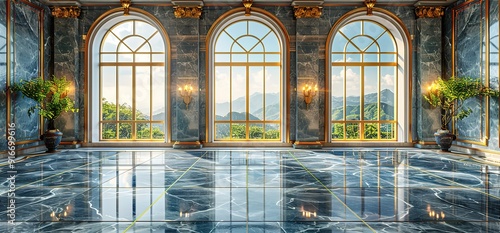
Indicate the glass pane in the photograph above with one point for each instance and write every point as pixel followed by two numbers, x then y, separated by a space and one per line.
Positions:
pixel 157 44
pixel 223 43
pixel 108 131
pixel 273 58
pixel 239 58
pixel 362 42
pixel 143 92
pixel 370 57
pixel 353 57
pixel 339 43
pixel 256 92
pixel 222 58
pixel 158 131
pixel 337 131
pixel 125 131
pixel 123 29
pixel 388 57
pixel 143 131
pixel 388 93
pixel 371 131
pixel 271 43
pixel 237 29
pixel 108 57
pixel 352 49
pixel 256 131
pixel 337 57
pixel 143 48
pixel 353 90
pixel 352 29
pixel 272 131
pixel 256 58
pixel 352 131
pixel 125 57
pixel 372 29
pixel 110 43
pixel 125 92
pixel 337 89
pixel 144 29
pixel 387 131
pixel 158 58
pixel 386 43
pixel 108 83
pixel 238 131
pixel 158 93
pixel 272 97
pixel 238 89
pixel 142 58
pixel 222 95
pixel 134 43
pixel 371 93
pixel 221 131
pixel 257 29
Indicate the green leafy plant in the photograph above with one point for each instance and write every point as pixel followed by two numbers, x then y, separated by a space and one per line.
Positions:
pixel 449 95
pixel 50 96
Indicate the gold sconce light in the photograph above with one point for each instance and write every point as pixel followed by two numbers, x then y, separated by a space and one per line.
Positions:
pixel 308 91
pixel 186 93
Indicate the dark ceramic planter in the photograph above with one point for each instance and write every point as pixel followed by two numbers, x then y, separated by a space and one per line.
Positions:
pixel 52 138
pixel 444 139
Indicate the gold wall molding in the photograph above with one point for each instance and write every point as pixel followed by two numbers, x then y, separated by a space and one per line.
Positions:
pixel 307 11
pixel 429 11
pixel 66 11
pixel 187 11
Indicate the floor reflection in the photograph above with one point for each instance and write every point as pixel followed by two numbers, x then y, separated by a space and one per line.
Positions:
pixel 375 190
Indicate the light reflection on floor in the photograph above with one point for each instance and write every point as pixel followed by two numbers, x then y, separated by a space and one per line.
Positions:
pixel 353 190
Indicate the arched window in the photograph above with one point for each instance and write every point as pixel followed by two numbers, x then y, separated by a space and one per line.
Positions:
pixel 247 80
pixel 128 76
pixel 369 75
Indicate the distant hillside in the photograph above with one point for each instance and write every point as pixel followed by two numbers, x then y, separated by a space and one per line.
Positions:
pixel 370 110
pixel 386 96
pixel 256 102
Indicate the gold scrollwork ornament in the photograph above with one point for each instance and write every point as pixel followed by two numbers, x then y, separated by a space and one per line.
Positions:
pixel 66 11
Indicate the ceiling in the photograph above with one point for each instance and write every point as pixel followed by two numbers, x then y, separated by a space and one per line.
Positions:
pixel 280 2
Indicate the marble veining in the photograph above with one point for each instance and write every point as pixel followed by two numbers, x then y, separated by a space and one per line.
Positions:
pixel 329 190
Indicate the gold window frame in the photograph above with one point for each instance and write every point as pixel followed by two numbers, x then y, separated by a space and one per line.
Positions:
pixel 362 65
pixel 133 66
pixel 247 65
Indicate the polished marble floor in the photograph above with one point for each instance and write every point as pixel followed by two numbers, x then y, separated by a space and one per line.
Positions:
pixel 329 190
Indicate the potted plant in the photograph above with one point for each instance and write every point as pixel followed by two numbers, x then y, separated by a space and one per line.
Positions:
pixel 51 99
pixel 449 95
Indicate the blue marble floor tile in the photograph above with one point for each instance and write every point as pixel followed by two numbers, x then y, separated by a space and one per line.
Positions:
pixel 351 190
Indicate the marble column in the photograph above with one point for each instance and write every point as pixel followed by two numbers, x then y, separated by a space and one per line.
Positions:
pixel 3 77
pixel 185 79
pixel 66 64
pixel 429 68
pixel 309 84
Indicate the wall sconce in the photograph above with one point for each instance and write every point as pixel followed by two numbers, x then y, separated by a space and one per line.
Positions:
pixel 186 93
pixel 309 92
